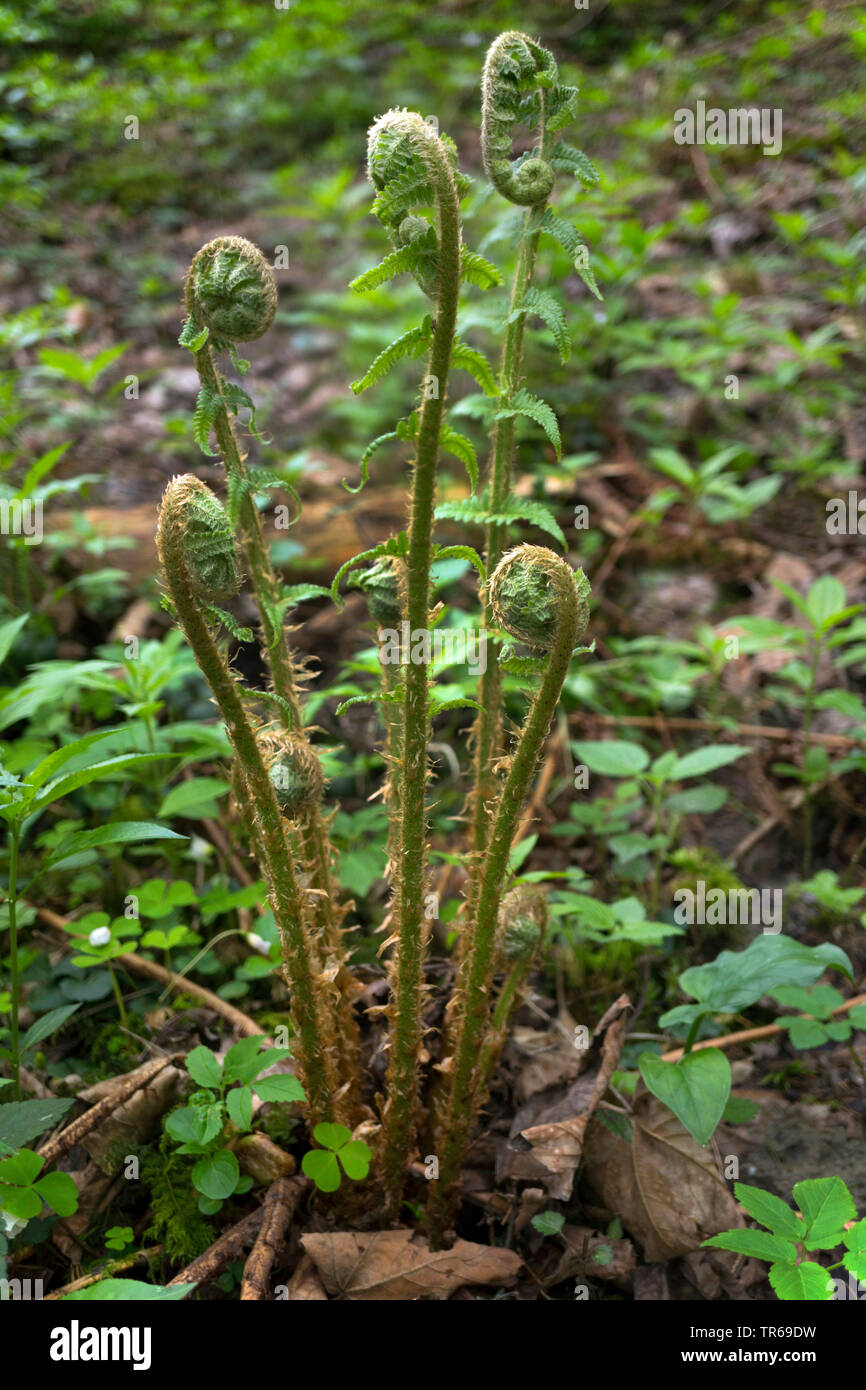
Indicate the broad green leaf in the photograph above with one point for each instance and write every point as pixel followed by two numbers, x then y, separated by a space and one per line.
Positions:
pixel 244 1059
pixel 826 1205
pixel 612 757
pixel 321 1166
pixel 736 979
pixel 59 1192
pixel 805 1033
pixel 239 1104
pixel 331 1136
pixel 22 1168
pixel 758 1245
pixel 825 600
pixel 195 792
pixel 216 1176
pixel 46 1025
pixel 128 1291
pixel 115 833
pixel 23 1120
pixel 355 1158
pixel 283 1088
pixel 770 1210
pixel 194 1124
pixel 204 1068
pixel 701 800
pixel 703 760
pixel 855 1259
pixel 8 633
pixel 802 1283
pixel 85 775
pixel 21 1202
pixel 51 765
pixel 696 1088
pixel 739 1111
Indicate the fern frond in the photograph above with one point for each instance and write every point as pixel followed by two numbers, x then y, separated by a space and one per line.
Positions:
pixel 477 270
pixel 411 344
pixel 219 615
pixel 562 107
pixel 405 258
pixel 571 161
pixel 476 511
pixel 524 403
pixel 394 545
pixel 547 307
pixel 463 449
pixel 470 360
pixel 206 409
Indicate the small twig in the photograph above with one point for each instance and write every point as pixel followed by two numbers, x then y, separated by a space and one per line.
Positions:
pixel 768 1030
pixel 72 1134
pixel 280 1204
pixel 132 1257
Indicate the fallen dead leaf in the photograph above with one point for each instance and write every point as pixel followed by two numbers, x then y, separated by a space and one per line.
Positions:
pixel 547 1135
pixel 397 1265
pixel 663 1185
pixel 305 1286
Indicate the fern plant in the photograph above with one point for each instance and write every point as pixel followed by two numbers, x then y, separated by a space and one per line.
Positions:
pixel 528 595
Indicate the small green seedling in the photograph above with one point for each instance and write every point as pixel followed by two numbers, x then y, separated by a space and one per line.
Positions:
pixel 322 1164
pixel 813 1025
pixel 827 1219
pixel 226 1097
pixel 548 1223
pixel 118 1237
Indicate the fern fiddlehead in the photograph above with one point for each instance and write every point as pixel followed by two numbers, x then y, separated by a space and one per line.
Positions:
pixel 536 596
pixel 179 539
pixel 520 84
pixel 411 167
pixel 231 298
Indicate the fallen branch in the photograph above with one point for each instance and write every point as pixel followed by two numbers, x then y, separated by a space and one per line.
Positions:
pixel 230 1246
pixel 280 1204
pixel 128 1085
pixel 132 1257
pixel 241 1022
pixel 767 1030
pixel 662 722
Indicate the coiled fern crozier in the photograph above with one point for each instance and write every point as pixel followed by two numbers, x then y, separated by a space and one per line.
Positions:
pixel 527 593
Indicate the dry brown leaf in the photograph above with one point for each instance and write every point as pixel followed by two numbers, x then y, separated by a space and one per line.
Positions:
pixel 392 1265
pixel 305 1286
pixel 555 1133
pixel 663 1185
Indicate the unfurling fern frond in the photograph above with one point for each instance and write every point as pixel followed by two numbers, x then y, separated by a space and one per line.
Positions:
pixel 516 65
pixel 478 511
